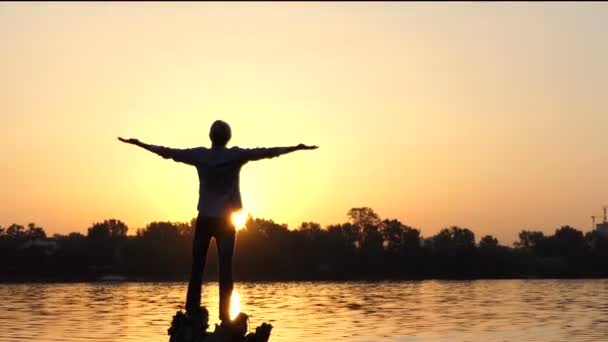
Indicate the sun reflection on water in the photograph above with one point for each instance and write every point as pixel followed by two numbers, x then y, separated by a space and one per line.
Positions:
pixel 235 304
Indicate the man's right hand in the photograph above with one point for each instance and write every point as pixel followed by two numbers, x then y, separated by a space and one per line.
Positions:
pixel 306 147
pixel 130 141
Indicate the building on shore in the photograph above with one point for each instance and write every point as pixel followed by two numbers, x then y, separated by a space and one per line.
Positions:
pixel 602 229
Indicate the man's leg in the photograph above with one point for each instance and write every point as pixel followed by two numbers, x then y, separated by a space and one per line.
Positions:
pixel 200 245
pixel 225 240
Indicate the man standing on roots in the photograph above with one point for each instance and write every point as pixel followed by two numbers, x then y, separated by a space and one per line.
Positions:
pixel 219 196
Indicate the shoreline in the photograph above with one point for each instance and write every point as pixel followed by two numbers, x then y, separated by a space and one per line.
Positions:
pixel 260 281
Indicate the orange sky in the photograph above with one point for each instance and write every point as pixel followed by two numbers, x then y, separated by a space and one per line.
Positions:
pixel 489 116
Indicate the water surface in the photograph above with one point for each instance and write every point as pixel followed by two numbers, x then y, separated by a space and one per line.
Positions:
pixel 487 310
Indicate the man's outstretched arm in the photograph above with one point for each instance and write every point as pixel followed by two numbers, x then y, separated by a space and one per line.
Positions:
pixel 180 155
pixel 262 153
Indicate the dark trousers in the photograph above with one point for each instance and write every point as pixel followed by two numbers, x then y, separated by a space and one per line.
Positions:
pixel 224 233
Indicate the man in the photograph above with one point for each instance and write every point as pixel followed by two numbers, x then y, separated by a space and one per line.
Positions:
pixel 219 196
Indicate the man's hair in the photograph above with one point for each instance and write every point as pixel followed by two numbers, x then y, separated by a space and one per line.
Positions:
pixel 220 133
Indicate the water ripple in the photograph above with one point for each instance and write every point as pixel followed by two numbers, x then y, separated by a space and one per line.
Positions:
pixel 485 310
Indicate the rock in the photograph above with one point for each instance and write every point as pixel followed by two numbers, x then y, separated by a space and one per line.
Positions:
pixel 193 328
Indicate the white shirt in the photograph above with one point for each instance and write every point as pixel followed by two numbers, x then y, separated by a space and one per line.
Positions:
pixel 218 173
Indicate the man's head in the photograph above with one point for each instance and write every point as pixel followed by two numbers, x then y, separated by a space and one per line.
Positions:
pixel 220 133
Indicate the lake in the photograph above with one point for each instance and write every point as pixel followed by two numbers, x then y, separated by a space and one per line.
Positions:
pixel 483 310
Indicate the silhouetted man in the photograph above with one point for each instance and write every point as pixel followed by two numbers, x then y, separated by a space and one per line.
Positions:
pixel 219 196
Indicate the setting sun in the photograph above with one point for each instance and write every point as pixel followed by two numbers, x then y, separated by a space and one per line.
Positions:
pixel 239 218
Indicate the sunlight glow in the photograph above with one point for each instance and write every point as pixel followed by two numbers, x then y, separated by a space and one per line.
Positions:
pixel 456 153
pixel 239 218
pixel 235 304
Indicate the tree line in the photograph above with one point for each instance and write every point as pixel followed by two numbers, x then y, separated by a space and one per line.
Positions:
pixel 366 247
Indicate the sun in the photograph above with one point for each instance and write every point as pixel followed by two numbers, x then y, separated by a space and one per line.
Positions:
pixel 239 218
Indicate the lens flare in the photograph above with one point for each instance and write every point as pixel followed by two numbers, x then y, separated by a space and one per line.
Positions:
pixel 235 304
pixel 239 218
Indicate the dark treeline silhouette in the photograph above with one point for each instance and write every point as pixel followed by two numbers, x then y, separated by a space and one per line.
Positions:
pixel 365 247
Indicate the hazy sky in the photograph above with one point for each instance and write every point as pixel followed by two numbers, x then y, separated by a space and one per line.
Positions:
pixel 491 116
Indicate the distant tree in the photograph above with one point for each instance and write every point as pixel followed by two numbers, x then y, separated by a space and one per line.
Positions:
pixel 75 236
pixel 311 230
pixel 454 238
pixel 168 244
pixel 347 233
pixel 411 239
pixel 2 229
pixel 529 239
pixel 365 247
pixel 452 252
pixel 186 229
pixel 568 241
pixel 265 228
pixel 310 226
pixel 399 237
pixel 106 242
pixel 159 231
pixel 107 229
pixel 70 236
pixel 117 228
pixel 392 233
pixel 488 242
pixel 372 242
pixel 35 232
pixel 264 247
pixel 363 217
pixel 366 223
pixel 15 231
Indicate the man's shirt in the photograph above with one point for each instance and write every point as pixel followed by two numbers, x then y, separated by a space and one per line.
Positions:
pixel 218 173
